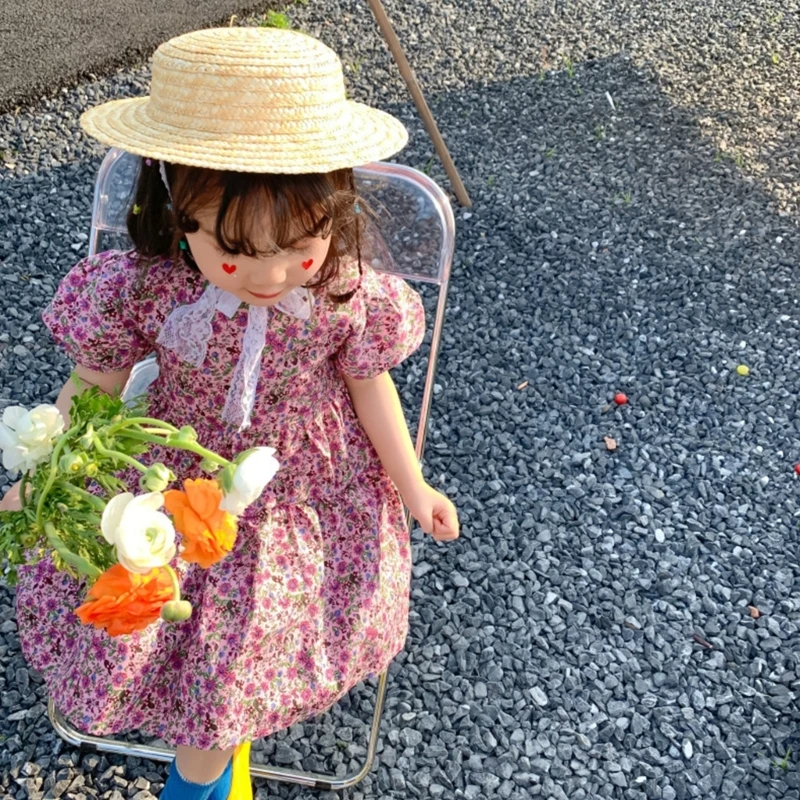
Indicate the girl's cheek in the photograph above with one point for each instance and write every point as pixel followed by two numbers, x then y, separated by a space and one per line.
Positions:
pixel 217 267
pixel 312 260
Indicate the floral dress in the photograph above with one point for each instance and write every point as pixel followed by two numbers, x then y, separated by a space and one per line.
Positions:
pixel 314 596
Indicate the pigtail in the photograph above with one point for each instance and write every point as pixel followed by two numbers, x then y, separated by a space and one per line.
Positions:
pixel 150 222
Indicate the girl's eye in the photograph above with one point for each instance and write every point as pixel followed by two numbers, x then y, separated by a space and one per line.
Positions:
pixel 296 247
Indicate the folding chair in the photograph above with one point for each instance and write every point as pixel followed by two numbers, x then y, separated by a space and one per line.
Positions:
pixel 420 236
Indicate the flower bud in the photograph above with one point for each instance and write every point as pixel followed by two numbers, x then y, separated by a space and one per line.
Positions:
pixel 207 465
pixel 87 440
pixel 244 482
pixel 157 478
pixel 72 463
pixel 187 434
pixel 28 540
pixel 91 470
pixel 176 610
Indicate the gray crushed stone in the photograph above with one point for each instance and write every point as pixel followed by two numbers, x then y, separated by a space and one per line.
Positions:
pixel 634 171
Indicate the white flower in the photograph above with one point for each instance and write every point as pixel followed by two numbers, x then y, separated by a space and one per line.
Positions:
pixel 143 535
pixel 27 437
pixel 249 480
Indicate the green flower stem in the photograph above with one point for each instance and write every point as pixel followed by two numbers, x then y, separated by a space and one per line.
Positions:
pixel 51 478
pixel 93 500
pixel 117 456
pixel 90 519
pixel 138 436
pixel 176 587
pixel 83 566
pixel 155 423
pixel 191 447
pixel 23 491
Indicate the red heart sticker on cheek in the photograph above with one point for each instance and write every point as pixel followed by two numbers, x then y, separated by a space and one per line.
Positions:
pixel 229 268
pixel 307 264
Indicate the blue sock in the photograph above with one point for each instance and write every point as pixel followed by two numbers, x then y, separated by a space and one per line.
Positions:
pixel 222 788
pixel 178 788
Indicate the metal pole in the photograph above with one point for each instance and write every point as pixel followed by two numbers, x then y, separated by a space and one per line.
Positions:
pixel 419 100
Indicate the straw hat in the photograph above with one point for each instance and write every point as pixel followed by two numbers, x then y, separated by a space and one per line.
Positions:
pixel 249 100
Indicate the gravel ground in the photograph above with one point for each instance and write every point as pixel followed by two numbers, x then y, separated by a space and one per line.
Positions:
pixel 612 624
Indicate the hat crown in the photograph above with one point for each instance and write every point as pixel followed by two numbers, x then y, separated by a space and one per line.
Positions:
pixel 248 100
pixel 246 81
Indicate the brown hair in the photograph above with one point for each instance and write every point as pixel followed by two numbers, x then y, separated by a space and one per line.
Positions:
pixel 292 207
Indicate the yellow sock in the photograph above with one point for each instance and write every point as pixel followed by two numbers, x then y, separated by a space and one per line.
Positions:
pixel 241 786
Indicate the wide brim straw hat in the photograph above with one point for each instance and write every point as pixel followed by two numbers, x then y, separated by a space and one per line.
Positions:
pixel 248 100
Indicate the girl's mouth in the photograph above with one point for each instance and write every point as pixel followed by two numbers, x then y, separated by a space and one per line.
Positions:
pixel 264 296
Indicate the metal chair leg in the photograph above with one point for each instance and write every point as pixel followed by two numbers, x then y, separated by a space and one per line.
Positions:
pixel 312 780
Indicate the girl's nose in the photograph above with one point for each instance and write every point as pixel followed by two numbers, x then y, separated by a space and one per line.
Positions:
pixel 272 274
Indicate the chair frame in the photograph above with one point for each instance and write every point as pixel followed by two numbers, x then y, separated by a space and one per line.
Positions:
pixel 321 781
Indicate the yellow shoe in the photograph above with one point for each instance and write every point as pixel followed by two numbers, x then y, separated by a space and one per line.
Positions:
pixel 241 787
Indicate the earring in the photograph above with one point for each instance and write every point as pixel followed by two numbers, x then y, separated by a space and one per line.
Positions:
pixel 183 244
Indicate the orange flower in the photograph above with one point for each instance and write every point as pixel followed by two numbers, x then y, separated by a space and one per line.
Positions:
pixel 208 532
pixel 123 602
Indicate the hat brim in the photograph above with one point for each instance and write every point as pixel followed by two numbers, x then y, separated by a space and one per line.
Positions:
pixel 362 135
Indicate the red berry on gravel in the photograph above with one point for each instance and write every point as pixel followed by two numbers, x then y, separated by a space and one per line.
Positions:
pixel 797 468
pixel 620 398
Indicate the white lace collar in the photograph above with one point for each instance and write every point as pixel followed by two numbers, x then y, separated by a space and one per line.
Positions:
pixel 188 329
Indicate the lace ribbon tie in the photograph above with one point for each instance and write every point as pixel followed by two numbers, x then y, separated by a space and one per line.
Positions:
pixel 188 330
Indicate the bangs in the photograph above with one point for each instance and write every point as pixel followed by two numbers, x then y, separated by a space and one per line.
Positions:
pixel 259 215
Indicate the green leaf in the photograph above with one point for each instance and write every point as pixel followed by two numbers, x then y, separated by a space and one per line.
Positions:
pixel 275 19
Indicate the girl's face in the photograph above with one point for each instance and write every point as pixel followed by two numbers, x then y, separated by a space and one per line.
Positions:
pixel 259 281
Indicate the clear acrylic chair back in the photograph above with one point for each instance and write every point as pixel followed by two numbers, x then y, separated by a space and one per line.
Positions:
pixel 411 232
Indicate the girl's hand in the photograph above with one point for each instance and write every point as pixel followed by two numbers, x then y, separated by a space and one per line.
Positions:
pixel 434 512
pixel 11 500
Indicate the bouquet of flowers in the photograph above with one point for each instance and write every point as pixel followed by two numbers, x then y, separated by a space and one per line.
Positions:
pixel 76 508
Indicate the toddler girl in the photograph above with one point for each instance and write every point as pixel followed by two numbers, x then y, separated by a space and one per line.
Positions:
pixel 246 280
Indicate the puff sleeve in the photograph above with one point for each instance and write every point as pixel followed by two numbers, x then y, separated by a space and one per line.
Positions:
pixel 93 314
pixel 388 325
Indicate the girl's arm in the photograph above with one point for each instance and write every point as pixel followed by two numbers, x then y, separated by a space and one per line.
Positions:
pixel 108 382
pixel 378 408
